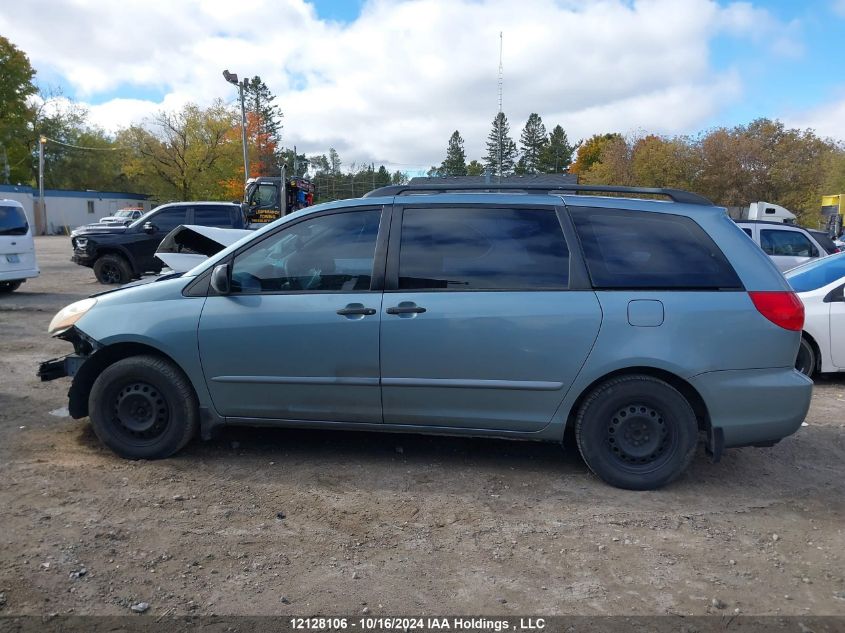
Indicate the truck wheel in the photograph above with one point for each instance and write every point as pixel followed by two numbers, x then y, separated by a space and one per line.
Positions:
pixel 143 407
pixel 9 286
pixel 112 269
pixel 806 360
pixel 636 432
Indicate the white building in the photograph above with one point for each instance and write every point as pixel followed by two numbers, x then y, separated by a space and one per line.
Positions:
pixel 68 209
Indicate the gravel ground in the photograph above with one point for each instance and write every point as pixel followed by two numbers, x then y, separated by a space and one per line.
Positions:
pixel 390 524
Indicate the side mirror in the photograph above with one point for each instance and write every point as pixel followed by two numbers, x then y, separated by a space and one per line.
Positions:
pixel 220 279
pixel 149 227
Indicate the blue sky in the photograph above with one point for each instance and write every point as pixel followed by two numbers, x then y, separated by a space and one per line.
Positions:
pixel 389 80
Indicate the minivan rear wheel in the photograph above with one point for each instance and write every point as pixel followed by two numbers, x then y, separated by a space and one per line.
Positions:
pixel 143 407
pixel 9 286
pixel 636 432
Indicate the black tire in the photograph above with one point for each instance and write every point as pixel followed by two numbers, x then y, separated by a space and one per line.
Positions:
pixel 807 361
pixel 636 432
pixel 9 286
pixel 112 269
pixel 143 407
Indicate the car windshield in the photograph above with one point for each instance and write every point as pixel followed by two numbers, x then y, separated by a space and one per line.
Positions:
pixel 12 220
pixel 817 273
pixel 124 213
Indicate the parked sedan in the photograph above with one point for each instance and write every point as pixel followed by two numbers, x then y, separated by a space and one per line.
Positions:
pixel 819 284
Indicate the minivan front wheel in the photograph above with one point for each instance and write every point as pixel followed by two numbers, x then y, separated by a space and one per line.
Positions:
pixel 143 407
pixel 636 432
pixel 9 286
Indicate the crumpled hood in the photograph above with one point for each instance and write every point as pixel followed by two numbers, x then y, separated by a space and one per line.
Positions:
pixel 188 245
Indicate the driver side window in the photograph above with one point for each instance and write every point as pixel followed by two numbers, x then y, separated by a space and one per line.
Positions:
pixel 330 253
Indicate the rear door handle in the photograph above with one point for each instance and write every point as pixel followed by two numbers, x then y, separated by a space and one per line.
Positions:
pixel 356 309
pixel 404 308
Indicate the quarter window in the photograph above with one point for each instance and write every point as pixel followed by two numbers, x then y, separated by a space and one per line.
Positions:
pixel 482 249
pixel 330 253
pixel 640 249
pixel 788 243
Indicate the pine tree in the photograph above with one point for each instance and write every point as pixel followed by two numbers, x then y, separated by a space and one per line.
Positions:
pixel 532 141
pixel 259 100
pixel 501 150
pixel 456 158
pixel 557 154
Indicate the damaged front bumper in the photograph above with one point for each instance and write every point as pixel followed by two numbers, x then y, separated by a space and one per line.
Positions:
pixel 60 367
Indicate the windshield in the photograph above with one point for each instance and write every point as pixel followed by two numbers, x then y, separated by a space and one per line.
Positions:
pixel 12 220
pixel 817 273
pixel 124 213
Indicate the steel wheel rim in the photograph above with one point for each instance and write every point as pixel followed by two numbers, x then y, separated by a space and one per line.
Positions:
pixel 639 438
pixel 139 412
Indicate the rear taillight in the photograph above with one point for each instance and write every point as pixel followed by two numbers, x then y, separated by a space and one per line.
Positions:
pixel 781 308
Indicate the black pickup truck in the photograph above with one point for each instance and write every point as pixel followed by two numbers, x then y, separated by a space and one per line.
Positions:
pixel 119 253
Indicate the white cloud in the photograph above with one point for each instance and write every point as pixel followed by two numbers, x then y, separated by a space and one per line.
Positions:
pixel 392 85
pixel 828 119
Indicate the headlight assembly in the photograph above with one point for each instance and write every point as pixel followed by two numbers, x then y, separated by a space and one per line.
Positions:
pixel 69 315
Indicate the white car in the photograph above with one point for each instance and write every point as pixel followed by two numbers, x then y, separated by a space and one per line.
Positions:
pixel 17 248
pixel 123 216
pixel 820 284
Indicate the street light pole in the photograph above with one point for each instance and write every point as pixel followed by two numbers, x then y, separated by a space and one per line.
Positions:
pixel 41 216
pixel 232 78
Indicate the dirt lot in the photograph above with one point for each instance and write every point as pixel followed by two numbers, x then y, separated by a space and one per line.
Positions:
pixel 392 524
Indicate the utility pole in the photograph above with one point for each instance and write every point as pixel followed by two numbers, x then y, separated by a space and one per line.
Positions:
pixel 41 215
pixel 232 78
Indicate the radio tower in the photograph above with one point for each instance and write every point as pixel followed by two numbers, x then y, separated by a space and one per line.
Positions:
pixel 499 116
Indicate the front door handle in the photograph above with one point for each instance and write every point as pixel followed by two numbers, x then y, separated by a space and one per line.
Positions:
pixel 356 309
pixel 406 307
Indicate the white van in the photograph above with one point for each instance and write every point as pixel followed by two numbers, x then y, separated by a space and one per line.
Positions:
pixel 17 248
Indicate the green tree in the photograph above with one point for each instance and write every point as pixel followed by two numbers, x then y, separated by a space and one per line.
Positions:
pixel 16 88
pixel 188 154
pixel 475 168
pixel 532 142
pixel 501 150
pixel 556 155
pixel 455 163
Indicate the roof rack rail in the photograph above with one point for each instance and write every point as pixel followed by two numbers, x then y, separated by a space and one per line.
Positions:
pixel 676 195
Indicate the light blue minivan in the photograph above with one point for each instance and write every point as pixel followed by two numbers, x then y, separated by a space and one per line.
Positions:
pixel 512 311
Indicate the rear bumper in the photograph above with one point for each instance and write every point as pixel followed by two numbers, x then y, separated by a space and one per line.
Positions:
pixel 754 406
pixel 17 275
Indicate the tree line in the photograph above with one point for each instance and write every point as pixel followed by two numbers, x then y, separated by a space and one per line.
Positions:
pixel 538 152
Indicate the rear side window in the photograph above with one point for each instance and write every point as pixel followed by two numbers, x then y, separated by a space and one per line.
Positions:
pixel 482 249
pixel 213 216
pixel 787 243
pixel 635 249
pixel 168 219
pixel 12 220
